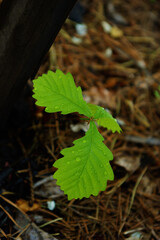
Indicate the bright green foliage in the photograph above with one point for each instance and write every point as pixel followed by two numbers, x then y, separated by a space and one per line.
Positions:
pixel 58 93
pixel 85 167
pixel 104 118
pixel 157 93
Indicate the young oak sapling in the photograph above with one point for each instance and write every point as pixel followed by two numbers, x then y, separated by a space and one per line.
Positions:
pixel 84 168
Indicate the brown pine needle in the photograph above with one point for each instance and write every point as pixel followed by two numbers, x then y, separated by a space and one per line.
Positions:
pixel 4 210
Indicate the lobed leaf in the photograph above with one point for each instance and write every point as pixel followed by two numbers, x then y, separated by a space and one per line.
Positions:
pixel 104 118
pixel 58 93
pixel 85 167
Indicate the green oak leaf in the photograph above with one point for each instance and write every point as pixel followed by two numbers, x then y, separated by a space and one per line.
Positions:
pixel 58 93
pixel 85 167
pixel 104 118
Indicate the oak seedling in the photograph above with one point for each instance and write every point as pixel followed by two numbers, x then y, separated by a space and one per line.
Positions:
pixel 84 168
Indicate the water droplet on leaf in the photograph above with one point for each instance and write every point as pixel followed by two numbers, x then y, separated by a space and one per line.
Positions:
pixel 84 141
pixel 98 180
pixel 78 159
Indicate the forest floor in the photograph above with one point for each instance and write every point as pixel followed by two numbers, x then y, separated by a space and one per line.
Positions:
pixel 118 67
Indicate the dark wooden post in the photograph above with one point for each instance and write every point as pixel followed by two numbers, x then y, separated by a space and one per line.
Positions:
pixel 27 30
